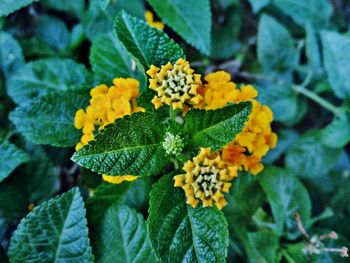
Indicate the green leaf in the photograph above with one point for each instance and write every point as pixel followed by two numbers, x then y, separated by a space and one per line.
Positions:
pixel 215 128
pixel 55 231
pixel 11 56
pixel 50 119
pixel 98 20
pixel 131 145
pixel 11 157
pixel 146 44
pixel 276 48
pixel 337 133
pixel 281 99
pixel 286 196
pixel 263 247
pixel 315 12
pixel 47 75
pixel 45 27
pixel 336 54
pixel 76 7
pixel 225 38
pixel 191 19
pixel 109 59
pixel 180 233
pixel 123 237
pixel 257 5
pixel 309 157
pixel 42 177
pixel 9 6
pixel 313 50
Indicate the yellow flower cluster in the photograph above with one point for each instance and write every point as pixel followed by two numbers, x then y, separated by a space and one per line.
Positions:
pixel 247 149
pixel 150 21
pixel 176 85
pixel 106 105
pixel 207 177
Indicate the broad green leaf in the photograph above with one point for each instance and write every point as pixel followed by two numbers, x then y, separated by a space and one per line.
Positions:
pixel 313 50
pixel 50 119
pixel 9 6
pixel 336 54
pixel 45 27
pixel 257 5
pixel 42 177
pixel 280 98
pixel 191 19
pixel 123 237
pixel 11 157
pixel 146 44
pixel 98 20
pixel 316 12
pixel 308 157
pixel 225 38
pixel 76 7
pixel 11 57
pixel 263 247
pixel 276 47
pixel 215 128
pixel 337 133
pixel 131 145
pixel 180 233
pixel 295 253
pixel 286 196
pixel 109 59
pixel 47 75
pixel 55 231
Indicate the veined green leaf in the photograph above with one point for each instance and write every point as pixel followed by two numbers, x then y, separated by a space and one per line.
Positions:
pixel 131 145
pixel 11 157
pixel 46 25
pixel 336 54
pixel 109 59
pixel 9 6
pixel 98 20
pixel 191 19
pixel 50 119
pixel 286 196
pixel 337 133
pixel 215 128
pixel 123 237
pixel 312 50
pixel 11 56
pixel 47 75
pixel 316 12
pixel 76 7
pixel 55 231
pixel 263 247
pixel 308 157
pixel 276 47
pixel 146 44
pixel 180 233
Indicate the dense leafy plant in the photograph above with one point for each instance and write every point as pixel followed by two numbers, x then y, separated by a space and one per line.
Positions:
pixel 173 160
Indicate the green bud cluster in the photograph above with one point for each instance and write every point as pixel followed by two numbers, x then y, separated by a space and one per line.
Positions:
pixel 173 144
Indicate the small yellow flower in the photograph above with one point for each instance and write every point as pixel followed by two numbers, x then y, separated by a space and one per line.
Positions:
pixel 118 179
pixel 176 85
pixel 150 21
pixel 207 177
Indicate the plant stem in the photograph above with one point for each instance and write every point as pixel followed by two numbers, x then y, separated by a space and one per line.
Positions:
pixel 313 96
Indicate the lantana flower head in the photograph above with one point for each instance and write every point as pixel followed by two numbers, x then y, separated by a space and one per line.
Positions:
pixel 175 84
pixel 207 177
